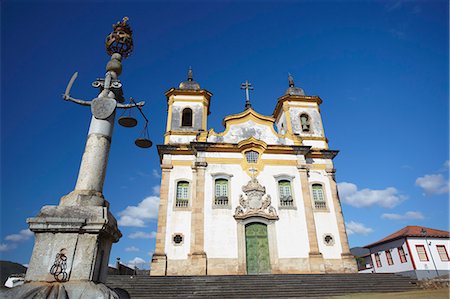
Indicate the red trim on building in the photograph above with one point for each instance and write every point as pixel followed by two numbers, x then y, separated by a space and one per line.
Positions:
pixel 389 259
pixel 373 263
pixel 378 260
pixel 410 255
pixel 403 258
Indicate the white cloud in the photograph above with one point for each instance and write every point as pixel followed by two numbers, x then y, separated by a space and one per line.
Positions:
pixel 142 235
pixel 25 265
pixel 131 249
pixel 411 215
pixel 156 174
pixel 7 247
pixel 433 184
pixel 138 215
pixel 386 198
pixel 137 261
pixel 23 235
pixel 357 228
pixel 150 253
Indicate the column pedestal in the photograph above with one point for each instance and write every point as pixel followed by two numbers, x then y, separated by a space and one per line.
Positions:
pixel 316 262
pixel 71 253
pixel 197 264
pixel 159 265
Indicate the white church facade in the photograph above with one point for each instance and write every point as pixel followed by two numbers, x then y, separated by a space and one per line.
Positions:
pixel 259 197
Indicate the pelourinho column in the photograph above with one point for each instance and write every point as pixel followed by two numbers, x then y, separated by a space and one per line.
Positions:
pixel 159 258
pixel 73 240
pixel 315 257
pixel 348 261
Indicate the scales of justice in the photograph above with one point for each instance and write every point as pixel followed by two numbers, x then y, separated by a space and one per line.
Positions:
pixel 73 240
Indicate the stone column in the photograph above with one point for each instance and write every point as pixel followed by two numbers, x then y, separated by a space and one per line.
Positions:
pixel 159 258
pixel 73 240
pixel 348 261
pixel 315 257
pixel 198 255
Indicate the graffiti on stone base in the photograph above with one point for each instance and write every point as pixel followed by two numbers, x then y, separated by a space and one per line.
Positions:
pixel 58 270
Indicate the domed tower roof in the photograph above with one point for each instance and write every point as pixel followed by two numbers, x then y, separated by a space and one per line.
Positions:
pixel 190 84
pixel 292 90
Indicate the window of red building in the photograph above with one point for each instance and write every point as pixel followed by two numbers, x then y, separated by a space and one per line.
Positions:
pixel 402 255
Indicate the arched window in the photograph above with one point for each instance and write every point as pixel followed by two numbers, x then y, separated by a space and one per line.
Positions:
pixel 305 123
pixel 252 156
pixel 221 192
pixel 318 197
pixel 186 118
pixel 182 199
pixel 284 186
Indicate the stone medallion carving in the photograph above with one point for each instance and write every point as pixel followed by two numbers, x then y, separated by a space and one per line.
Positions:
pixel 103 107
pixel 255 202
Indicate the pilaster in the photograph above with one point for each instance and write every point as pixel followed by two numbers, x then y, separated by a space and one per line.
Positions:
pixel 348 261
pixel 198 255
pixel 159 258
pixel 315 257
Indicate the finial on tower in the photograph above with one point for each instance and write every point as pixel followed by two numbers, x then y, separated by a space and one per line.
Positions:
pixel 291 80
pixel 121 39
pixel 190 84
pixel 292 90
pixel 190 74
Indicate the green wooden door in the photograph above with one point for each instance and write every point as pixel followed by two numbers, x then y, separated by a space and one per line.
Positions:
pixel 257 249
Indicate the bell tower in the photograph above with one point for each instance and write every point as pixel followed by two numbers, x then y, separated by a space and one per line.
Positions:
pixel 187 112
pixel 299 114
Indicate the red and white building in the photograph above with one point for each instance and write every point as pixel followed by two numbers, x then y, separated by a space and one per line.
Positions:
pixel 414 251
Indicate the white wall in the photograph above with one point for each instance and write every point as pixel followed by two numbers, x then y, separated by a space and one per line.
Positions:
pixel 398 266
pixel 315 121
pixel 431 252
pixel 178 221
pixel 326 222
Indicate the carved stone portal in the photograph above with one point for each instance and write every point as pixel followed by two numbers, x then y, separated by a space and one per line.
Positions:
pixel 255 202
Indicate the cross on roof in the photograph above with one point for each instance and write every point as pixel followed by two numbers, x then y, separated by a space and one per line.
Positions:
pixel 247 86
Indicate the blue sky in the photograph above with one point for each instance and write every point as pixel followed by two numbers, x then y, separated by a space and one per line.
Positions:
pixel 381 69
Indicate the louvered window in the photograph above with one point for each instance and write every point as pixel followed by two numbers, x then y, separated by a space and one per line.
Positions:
pixel 221 192
pixel 182 199
pixel 284 187
pixel 318 197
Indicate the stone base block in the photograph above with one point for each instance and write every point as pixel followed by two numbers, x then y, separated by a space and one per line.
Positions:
pixel 291 266
pixel 56 290
pixel 159 265
pixel 316 263
pixel 197 264
pixel 223 266
pixel 349 264
pixel 72 243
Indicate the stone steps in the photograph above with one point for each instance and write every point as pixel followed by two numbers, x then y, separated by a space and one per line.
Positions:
pixel 259 286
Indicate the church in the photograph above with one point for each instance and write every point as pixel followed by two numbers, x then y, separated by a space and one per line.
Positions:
pixel 259 197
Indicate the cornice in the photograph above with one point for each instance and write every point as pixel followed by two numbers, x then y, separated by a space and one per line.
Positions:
pixel 294 98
